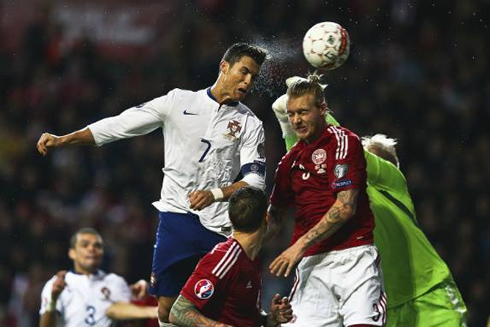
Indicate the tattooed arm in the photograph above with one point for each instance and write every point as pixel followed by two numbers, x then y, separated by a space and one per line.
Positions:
pixel 184 314
pixel 340 212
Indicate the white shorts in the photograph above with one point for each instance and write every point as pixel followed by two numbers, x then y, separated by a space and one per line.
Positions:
pixel 339 288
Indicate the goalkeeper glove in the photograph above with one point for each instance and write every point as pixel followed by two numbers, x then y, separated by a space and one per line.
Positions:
pixel 279 108
pixel 294 79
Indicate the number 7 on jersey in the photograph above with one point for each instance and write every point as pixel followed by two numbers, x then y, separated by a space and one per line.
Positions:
pixel 207 149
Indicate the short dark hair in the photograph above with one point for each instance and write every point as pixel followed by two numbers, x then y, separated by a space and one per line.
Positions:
pixel 238 50
pixel 247 209
pixel 85 230
pixel 310 85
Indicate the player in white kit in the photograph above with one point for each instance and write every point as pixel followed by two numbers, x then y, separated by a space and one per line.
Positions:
pixel 210 139
pixel 86 295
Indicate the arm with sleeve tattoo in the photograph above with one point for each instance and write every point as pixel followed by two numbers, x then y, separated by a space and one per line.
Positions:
pixel 184 314
pixel 341 211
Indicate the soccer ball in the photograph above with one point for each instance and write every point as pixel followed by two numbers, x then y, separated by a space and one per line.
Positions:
pixel 326 45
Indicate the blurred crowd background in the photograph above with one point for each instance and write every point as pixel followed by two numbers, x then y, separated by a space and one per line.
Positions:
pixel 418 71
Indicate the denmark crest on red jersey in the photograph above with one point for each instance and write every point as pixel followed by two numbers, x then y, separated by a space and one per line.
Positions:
pixel 204 289
pixel 319 156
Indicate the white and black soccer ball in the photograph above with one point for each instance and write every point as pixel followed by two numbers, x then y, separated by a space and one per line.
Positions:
pixel 326 45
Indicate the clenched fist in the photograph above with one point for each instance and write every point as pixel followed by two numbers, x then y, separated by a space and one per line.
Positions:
pixel 58 285
pixel 47 141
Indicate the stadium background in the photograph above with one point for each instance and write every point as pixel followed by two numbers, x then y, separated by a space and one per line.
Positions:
pixel 418 71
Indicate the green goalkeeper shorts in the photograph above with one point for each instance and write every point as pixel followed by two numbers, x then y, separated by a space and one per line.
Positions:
pixel 441 306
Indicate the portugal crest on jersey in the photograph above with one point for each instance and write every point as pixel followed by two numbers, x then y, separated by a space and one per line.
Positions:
pixel 106 292
pixel 234 127
pixel 204 289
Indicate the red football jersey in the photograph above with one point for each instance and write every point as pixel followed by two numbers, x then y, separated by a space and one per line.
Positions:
pixel 311 175
pixel 225 286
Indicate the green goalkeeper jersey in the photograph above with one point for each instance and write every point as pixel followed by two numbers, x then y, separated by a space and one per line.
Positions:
pixel 411 266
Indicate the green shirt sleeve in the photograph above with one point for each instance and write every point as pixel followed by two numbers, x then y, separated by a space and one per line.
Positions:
pixel 290 141
pixel 331 120
pixel 383 174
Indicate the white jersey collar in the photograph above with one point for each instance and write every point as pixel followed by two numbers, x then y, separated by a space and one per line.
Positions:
pixel 231 104
pixel 99 274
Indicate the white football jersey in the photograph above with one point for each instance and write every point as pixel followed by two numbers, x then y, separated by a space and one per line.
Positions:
pixel 86 298
pixel 206 146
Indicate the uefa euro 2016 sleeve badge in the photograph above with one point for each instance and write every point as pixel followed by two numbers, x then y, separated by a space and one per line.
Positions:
pixel 234 127
pixel 204 289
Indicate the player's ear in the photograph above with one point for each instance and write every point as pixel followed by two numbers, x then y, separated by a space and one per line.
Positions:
pixel 71 254
pixel 224 66
pixel 323 108
pixel 267 221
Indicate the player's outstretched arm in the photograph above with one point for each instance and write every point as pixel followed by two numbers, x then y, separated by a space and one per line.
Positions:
pixel 127 310
pixel 280 312
pixel 185 314
pixel 50 315
pixel 48 319
pixel 139 289
pixel 48 141
pixel 341 211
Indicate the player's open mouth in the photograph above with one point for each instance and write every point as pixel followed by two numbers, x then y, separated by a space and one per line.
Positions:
pixel 300 129
pixel 242 91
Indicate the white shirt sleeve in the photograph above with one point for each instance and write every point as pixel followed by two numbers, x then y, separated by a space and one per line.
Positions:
pixel 122 293
pixel 46 297
pixel 135 121
pixel 252 158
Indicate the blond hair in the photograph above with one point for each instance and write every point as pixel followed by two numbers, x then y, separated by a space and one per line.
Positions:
pixel 309 85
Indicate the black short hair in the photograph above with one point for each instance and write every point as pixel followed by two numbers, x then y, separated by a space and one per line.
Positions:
pixel 247 209
pixel 238 50
pixel 85 230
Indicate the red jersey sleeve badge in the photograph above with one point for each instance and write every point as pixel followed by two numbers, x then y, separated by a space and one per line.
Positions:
pixel 204 289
